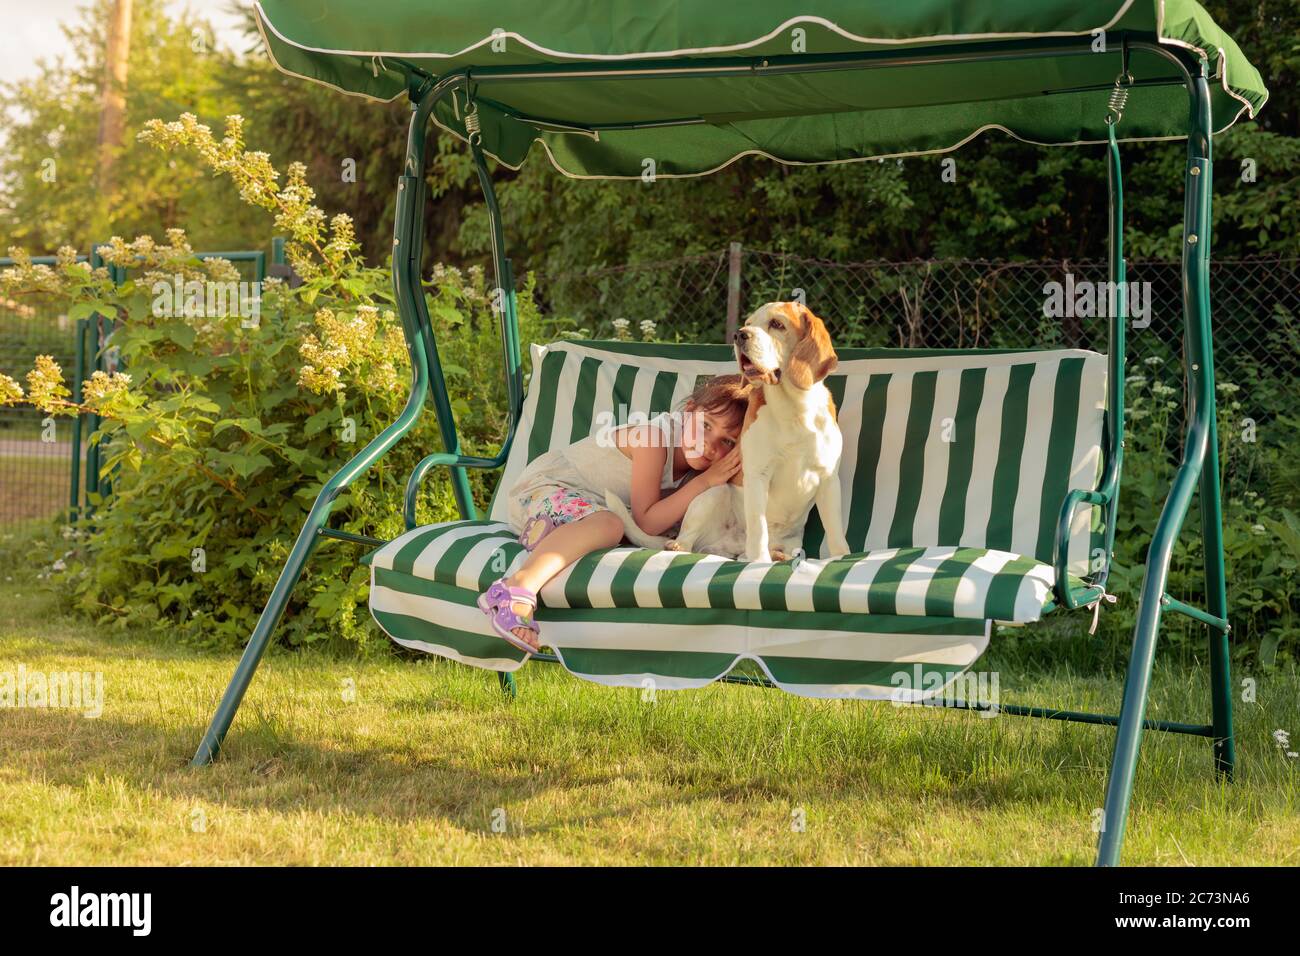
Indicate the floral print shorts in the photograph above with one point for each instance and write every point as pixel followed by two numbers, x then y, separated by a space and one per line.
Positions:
pixel 546 512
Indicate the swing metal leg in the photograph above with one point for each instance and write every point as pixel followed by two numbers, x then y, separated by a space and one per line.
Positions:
pixel 420 348
pixel 302 548
pixel 257 644
pixel 1199 467
pixel 507 681
pixel 1225 754
pixel 1137 683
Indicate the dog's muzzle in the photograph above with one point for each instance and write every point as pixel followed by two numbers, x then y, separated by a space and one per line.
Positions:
pixel 742 338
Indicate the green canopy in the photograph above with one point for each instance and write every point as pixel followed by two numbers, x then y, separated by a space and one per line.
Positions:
pixel 369 47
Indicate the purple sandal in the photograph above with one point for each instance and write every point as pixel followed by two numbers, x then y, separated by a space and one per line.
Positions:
pixel 496 602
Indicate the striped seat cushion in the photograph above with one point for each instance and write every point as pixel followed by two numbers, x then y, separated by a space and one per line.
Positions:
pixel 966 449
pixel 970 583
pixel 425 583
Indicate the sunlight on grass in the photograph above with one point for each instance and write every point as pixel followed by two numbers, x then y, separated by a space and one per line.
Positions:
pixel 338 761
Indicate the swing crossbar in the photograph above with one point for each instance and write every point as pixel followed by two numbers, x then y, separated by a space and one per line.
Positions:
pixel 350 536
pixel 1196 614
pixel 1074 716
pixel 1014 710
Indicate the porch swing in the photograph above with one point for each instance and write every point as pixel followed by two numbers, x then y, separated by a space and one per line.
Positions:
pixel 1008 517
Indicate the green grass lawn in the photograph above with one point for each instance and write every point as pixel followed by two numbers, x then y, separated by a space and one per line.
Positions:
pixel 428 756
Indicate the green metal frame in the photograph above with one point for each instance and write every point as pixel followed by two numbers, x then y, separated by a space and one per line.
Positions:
pixel 1199 467
pixel 256 256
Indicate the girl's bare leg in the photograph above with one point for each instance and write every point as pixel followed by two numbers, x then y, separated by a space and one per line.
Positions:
pixel 558 550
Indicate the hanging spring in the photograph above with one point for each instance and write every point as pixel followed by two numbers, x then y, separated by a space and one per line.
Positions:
pixel 473 129
pixel 1118 98
pixel 1119 95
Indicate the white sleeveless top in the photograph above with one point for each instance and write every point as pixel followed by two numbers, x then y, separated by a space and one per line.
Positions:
pixel 591 466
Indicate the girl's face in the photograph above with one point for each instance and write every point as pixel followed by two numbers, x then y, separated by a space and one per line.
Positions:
pixel 706 437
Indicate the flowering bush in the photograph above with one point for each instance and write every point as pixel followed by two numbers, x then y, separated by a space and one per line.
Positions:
pixel 220 431
pixel 1262 577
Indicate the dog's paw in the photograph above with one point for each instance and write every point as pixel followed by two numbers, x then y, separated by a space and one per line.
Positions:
pixel 672 545
pixel 779 555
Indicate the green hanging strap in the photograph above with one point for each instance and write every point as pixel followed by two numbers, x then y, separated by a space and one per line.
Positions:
pixel 1118 278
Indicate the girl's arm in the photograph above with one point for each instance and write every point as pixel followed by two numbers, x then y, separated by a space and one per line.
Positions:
pixel 655 515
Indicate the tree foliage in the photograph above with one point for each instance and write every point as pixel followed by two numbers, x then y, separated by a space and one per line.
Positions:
pixel 1010 199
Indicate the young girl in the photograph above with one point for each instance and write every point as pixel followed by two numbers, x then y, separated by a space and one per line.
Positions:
pixel 559 500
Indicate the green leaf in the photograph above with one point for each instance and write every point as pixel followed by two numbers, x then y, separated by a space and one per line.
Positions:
pixel 251 425
pixel 320 421
pixel 182 334
pixel 84 310
pixel 1268 647
pixel 199 403
pixel 1288 533
pixel 448 314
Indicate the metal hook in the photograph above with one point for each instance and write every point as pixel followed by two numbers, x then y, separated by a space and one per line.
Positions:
pixel 1119 95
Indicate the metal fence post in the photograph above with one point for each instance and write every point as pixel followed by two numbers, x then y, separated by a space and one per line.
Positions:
pixel 91 364
pixel 74 492
pixel 733 289
pixel 94 364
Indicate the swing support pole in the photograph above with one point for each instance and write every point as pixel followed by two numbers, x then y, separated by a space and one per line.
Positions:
pixel 425 371
pixel 1199 468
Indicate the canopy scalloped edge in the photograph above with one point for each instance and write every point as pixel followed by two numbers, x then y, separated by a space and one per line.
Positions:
pixel 1219 62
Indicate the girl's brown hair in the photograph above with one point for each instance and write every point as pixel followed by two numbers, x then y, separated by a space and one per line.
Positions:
pixel 726 396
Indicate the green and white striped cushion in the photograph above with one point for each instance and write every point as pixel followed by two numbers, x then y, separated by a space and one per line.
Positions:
pixel 968 583
pixel 968 449
pixel 813 653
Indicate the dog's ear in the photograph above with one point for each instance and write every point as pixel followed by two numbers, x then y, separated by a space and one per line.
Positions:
pixel 814 357
pixel 756 401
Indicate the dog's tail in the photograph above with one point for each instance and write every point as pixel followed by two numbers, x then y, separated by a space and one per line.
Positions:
pixel 633 531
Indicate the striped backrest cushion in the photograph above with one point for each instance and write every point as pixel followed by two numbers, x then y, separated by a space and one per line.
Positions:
pixel 958 448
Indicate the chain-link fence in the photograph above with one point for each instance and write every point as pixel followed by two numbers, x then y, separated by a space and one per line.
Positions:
pixel 956 303
pixel 36 452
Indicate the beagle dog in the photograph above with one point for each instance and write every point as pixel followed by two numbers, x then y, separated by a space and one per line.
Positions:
pixel 790 447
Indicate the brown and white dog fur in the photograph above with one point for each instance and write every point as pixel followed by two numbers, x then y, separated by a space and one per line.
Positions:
pixel 790 448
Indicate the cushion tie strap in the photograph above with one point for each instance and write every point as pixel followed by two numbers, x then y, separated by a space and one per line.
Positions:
pixel 1096 608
